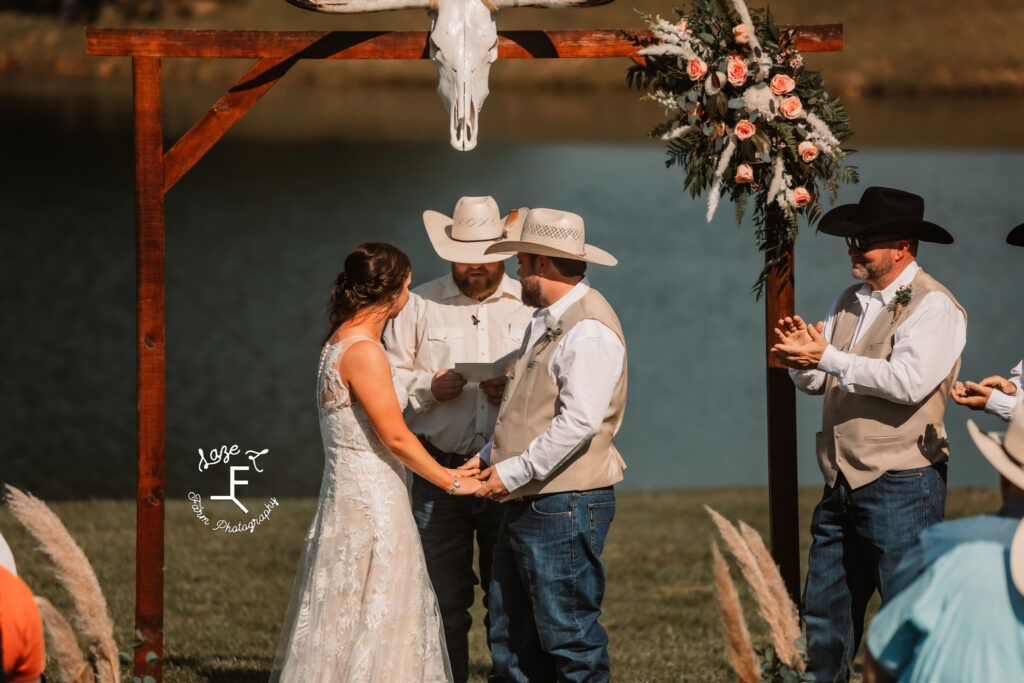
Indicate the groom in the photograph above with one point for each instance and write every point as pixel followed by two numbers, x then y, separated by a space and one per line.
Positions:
pixel 553 464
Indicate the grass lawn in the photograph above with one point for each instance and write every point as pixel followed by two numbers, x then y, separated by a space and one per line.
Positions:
pixel 226 594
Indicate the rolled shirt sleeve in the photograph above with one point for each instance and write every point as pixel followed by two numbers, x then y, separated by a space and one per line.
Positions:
pixel 586 367
pixel 925 348
pixel 1002 405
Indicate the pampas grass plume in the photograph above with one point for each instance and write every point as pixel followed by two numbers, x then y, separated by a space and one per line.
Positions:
pixel 72 569
pixel 63 645
pixel 737 637
pixel 785 627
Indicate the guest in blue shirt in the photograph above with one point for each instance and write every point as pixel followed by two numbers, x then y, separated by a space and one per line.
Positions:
pixel 956 613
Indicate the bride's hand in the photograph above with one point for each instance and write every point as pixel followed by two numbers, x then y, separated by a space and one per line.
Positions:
pixel 467 486
pixel 470 469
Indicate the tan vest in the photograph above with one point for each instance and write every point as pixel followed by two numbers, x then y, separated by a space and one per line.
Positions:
pixel 531 402
pixel 867 436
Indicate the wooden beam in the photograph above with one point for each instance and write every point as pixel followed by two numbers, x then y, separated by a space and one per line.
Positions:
pixel 393 44
pixel 150 359
pixel 221 116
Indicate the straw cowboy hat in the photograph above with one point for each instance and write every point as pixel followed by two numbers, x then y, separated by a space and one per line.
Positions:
pixel 1016 236
pixel 883 211
pixel 1006 454
pixel 475 224
pixel 554 233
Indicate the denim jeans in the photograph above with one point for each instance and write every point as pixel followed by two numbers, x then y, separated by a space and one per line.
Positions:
pixel 447 525
pixel 858 538
pixel 546 588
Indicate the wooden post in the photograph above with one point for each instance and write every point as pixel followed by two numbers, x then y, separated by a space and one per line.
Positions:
pixel 150 359
pixel 782 463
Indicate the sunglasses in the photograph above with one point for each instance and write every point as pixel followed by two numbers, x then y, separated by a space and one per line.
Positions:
pixel 861 244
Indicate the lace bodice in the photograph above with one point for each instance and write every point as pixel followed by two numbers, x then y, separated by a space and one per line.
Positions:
pixel 362 607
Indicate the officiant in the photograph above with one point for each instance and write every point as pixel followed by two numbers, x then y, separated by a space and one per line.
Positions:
pixel 474 314
pixel 885 358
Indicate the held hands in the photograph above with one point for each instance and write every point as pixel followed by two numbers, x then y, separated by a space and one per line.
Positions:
pixel 494 388
pixel 976 395
pixel 468 483
pixel 447 384
pixel 491 485
pixel 800 345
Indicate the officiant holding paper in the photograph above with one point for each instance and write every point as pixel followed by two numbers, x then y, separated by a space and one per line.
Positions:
pixel 468 321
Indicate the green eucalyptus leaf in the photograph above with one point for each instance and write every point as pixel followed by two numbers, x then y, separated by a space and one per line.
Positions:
pixel 152 659
pixel 706 37
pixel 737 103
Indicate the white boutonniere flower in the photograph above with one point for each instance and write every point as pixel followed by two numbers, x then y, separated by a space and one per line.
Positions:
pixel 552 331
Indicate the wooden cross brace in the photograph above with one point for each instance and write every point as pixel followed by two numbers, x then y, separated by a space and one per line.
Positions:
pixel 156 172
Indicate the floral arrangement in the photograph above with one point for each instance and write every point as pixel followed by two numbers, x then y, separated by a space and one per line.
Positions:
pixel 745 117
pixel 904 295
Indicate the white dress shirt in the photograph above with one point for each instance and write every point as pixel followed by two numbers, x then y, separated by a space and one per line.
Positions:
pixel 586 366
pixel 1002 405
pixel 925 347
pixel 435 331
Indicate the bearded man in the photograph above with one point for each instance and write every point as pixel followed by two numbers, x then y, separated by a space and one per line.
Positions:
pixel 885 358
pixel 473 315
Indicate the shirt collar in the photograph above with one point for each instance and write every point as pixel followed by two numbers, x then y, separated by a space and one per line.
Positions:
pixel 558 308
pixel 507 287
pixel 865 293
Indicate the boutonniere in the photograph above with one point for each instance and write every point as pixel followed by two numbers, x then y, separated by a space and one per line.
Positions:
pixel 904 295
pixel 552 331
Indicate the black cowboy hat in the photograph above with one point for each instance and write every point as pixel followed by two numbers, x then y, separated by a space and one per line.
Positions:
pixel 883 211
pixel 1016 236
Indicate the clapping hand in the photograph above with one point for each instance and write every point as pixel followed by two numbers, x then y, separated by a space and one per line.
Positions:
pixel 975 395
pixel 800 345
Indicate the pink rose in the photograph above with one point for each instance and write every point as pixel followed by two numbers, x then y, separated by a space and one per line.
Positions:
pixel 744 174
pixel 801 197
pixel 782 84
pixel 791 107
pixel 808 151
pixel 736 71
pixel 744 129
pixel 741 34
pixel 695 69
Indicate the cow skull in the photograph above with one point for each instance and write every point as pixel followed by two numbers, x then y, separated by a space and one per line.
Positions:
pixel 463 44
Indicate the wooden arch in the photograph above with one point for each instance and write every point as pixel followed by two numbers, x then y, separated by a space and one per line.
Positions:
pixel 157 170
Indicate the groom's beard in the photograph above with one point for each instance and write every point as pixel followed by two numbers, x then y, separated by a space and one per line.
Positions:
pixel 531 291
pixel 868 270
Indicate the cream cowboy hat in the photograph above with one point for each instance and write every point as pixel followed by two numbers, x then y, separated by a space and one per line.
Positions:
pixel 475 224
pixel 1006 454
pixel 554 233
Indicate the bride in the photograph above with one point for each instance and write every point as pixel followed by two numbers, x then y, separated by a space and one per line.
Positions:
pixel 362 608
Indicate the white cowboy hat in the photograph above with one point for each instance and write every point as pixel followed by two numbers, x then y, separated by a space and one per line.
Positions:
pixel 475 224
pixel 554 233
pixel 1006 454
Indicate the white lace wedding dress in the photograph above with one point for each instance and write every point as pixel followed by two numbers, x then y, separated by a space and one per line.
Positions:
pixel 362 607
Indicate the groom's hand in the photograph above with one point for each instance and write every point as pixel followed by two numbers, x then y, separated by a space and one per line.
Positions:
pixel 493 487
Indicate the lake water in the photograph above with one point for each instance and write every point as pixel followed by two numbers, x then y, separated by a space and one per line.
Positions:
pixel 257 231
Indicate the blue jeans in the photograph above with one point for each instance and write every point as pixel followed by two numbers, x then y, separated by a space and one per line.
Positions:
pixel 447 525
pixel 859 536
pixel 546 588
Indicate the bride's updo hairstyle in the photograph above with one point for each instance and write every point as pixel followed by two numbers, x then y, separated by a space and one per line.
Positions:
pixel 374 274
